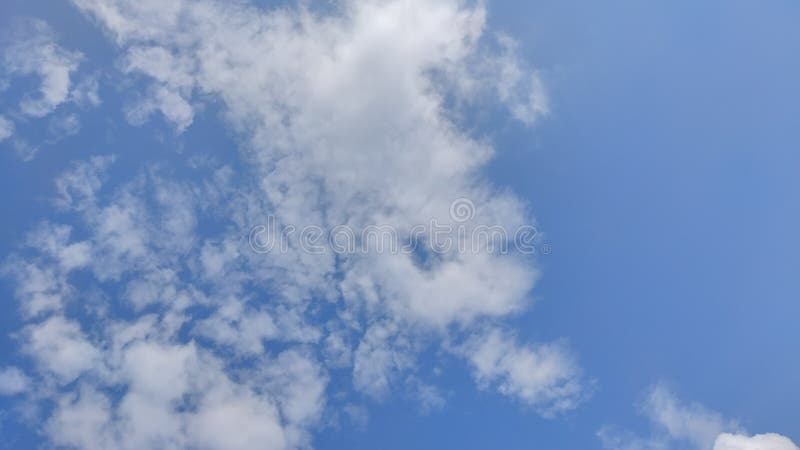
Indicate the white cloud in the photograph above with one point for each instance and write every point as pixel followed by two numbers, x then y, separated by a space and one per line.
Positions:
pixel 33 51
pixel 86 92
pixel 157 377
pixel 60 348
pixel 54 240
pixel 230 418
pixel 613 438
pixel 80 420
pixel 39 289
pixel 24 149
pixel 337 349
pixel 500 74
pixel 62 127
pixel 523 92
pixel 542 376
pixel 6 128
pixel 299 385
pixel 76 188
pixel 29 48
pixel 678 424
pixel 171 104
pixel 246 329
pixel 179 396
pixel 685 421
pixel 758 442
pixel 175 75
pixel 428 397
pixel 13 381
pixel 379 357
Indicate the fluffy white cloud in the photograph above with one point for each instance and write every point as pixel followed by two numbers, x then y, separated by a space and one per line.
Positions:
pixel 33 51
pixel 13 381
pixel 382 353
pixel 38 289
pixel 60 348
pixel 86 92
pixel 678 424
pixel 174 108
pixel 542 376
pixel 76 188
pixel 758 442
pixel 298 383
pixel 80 420
pixel 177 397
pixel 175 82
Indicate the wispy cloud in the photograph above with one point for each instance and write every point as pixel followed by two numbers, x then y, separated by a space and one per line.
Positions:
pixel 29 48
pixel 677 424
pixel 6 128
pixel 13 381
pixel 32 50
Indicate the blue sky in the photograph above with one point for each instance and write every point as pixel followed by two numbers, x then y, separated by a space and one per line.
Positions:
pixel 654 147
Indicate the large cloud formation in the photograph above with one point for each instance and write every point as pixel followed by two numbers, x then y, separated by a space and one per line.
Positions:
pixel 151 323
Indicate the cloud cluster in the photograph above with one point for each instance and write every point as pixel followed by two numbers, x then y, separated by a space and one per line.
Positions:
pixel 29 48
pixel 152 324
pixel 32 51
pixel 679 424
pixel 109 353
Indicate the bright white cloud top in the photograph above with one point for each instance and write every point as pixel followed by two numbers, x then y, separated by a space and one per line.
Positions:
pixel 769 441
